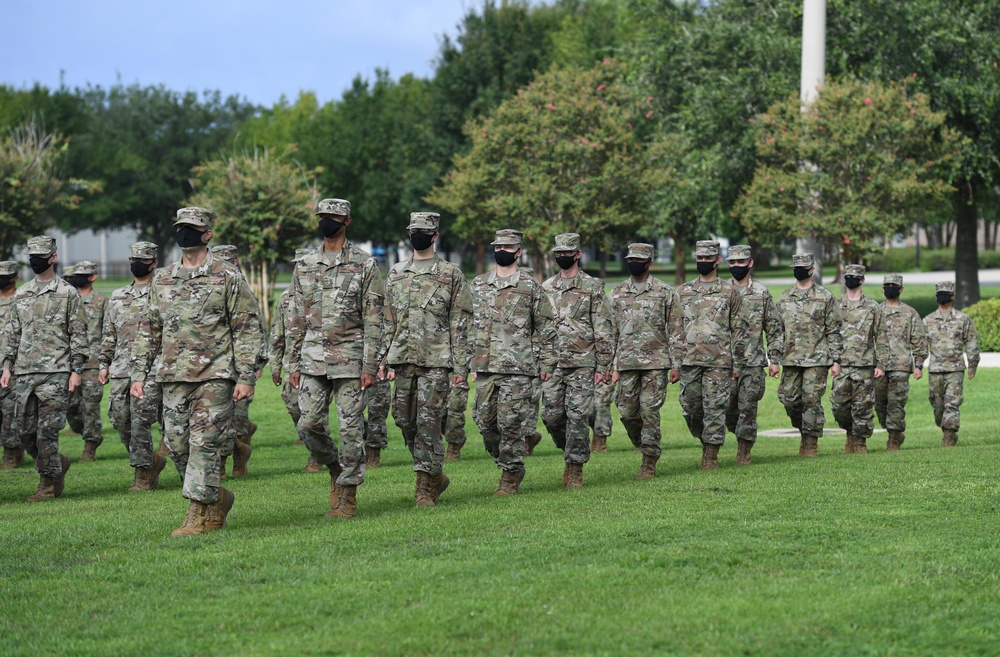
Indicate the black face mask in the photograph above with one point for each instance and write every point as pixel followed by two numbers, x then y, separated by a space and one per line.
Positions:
pixel 637 268
pixel 565 261
pixel 739 272
pixel 852 282
pixel 505 258
pixel 79 280
pixel 943 298
pixel 891 291
pixel 140 269
pixel 705 268
pixel 6 281
pixel 329 227
pixel 39 264
pixel 800 273
pixel 421 241
pixel 189 237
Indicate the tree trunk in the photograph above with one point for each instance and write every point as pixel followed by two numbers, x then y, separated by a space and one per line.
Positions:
pixel 679 259
pixel 480 257
pixel 949 232
pixel 966 246
pixel 935 236
pixel 603 259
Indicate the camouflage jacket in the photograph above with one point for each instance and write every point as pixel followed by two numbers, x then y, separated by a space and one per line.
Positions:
pixel 201 324
pixel 47 330
pixel 862 333
pixel 262 356
pixel 121 323
pixel 427 315
pixel 713 329
pixel 811 321
pixel 761 316
pixel 949 335
pixel 95 305
pixel 280 347
pixel 585 326
pixel 512 321
pixel 336 330
pixel 649 314
pixel 907 337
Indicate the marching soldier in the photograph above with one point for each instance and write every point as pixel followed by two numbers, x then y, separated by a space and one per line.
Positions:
pixel 13 452
pixel 951 337
pixel 280 349
pixel 84 413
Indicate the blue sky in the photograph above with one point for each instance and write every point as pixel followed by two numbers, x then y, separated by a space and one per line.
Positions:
pixel 259 49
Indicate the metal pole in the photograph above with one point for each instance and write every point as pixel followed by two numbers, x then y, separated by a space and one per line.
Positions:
pixel 812 78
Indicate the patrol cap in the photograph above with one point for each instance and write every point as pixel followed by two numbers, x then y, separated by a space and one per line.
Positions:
pixel 335 206
pixel 87 267
pixel 803 260
pixel 706 248
pixel 893 279
pixel 227 252
pixel 854 270
pixel 567 242
pixel 41 245
pixel 639 251
pixel 945 286
pixel 424 221
pixel 144 251
pixel 70 270
pixel 300 254
pixel 199 217
pixel 9 268
pixel 507 237
pixel 739 252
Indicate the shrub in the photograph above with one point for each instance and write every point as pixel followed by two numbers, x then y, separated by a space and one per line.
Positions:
pixel 986 315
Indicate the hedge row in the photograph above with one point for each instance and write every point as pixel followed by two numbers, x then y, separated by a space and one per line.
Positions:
pixel 986 315
pixel 905 259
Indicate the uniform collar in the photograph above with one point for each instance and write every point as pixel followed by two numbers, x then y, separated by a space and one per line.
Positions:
pixel 509 281
pixel 204 269
pixel 435 262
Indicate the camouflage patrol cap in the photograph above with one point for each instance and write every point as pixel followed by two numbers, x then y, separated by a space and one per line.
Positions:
pixel 706 248
pixel 199 217
pixel 86 267
pixel 300 254
pixel 854 270
pixel 893 279
pixel 945 286
pixel 41 245
pixel 567 242
pixel 144 251
pixel 335 206
pixel 507 237
pixel 8 268
pixel 639 251
pixel 803 260
pixel 70 270
pixel 227 252
pixel 739 252
pixel 424 221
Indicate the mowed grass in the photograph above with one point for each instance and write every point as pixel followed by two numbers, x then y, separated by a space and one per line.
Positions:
pixel 884 554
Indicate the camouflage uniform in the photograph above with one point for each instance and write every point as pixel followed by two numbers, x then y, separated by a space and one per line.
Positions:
pixel 585 345
pixel 649 315
pixel 9 438
pixel 84 411
pixel 950 336
pixel 812 344
pixel 453 422
pixel 709 348
pixel 600 417
pixel 427 311
pixel 377 399
pixel 907 337
pixel 199 338
pixel 280 345
pixel 512 319
pixel 335 333
pixel 863 348
pixel 45 337
pixel 132 418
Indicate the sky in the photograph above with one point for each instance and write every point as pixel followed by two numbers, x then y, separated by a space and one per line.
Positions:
pixel 258 49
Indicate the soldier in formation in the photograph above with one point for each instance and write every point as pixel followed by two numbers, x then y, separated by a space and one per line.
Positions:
pixel 84 412
pixel 280 350
pixel 951 338
pixel 13 452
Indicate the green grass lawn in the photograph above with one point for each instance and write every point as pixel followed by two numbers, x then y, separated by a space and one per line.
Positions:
pixel 884 554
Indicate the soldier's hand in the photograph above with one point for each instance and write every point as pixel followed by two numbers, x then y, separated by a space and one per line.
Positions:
pixel 545 376
pixel 972 374
pixel 675 376
pixel 258 373
pixel 598 377
pixel 242 391
pixel 74 381
pixel 5 378
pixel 472 376
pixel 736 374
pixel 102 377
pixel 276 377
pixel 835 369
pixel 773 370
pixel 137 390
pixel 294 379
pixel 879 373
pixel 367 381
pixel 456 379
pixel 390 375
pixel 918 373
pixel 614 377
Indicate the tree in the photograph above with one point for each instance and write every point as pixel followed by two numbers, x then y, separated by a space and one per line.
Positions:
pixel 263 205
pixel 860 163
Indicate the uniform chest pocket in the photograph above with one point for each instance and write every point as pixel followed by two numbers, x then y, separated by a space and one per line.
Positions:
pixel 814 310
pixel 577 304
pixel 515 305
pixel 55 306
pixel 345 289
pixel 438 298
pixel 207 298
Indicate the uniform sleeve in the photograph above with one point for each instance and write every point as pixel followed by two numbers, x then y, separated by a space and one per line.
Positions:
pixel 276 350
pixel 918 339
pixel 245 329
pixel 148 337
pixel 882 355
pixel 971 339
pixel 296 323
pixel 79 346
pixel 605 330
pixel 774 330
pixel 831 329
pixel 544 335
pixel 109 338
pixel 11 339
pixel 677 339
pixel 460 316
pixel 373 302
pixel 389 323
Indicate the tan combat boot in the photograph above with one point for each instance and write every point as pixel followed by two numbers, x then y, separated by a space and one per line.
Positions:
pixel 810 446
pixel 437 485
pixel 599 443
pixel 532 442
pixel 709 457
pixel 506 486
pixel 12 458
pixel 162 449
pixel 743 448
pixel 194 520
pixel 215 513
pixel 347 505
pixel 251 430
pixel 139 480
pixel 422 493
pixel 860 445
pixel 59 483
pixel 851 445
pixel 312 465
pixel 44 490
pixel 648 468
pixel 373 457
pixel 241 457
pixel 949 438
pixel 575 476
pixel 89 451
pixel 566 471
pixel 454 452
pixel 159 462
pixel 335 489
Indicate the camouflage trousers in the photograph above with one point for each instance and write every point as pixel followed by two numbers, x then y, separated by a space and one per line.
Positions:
pixel 640 397
pixel 84 411
pixel 852 399
pixel 946 396
pixel 801 393
pixel 600 418
pixel 503 404
pixel 420 399
pixel 315 396
pixel 531 421
pixel 133 419
pixel 704 400
pixel 290 396
pixel 239 427
pixel 196 417
pixel 39 415
pixel 567 403
pixel 891 393
pixel 746 393
pixel 453 423
pixel 377 399
pixel 8 436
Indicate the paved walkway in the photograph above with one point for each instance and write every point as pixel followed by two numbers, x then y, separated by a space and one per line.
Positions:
pixel 990 277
